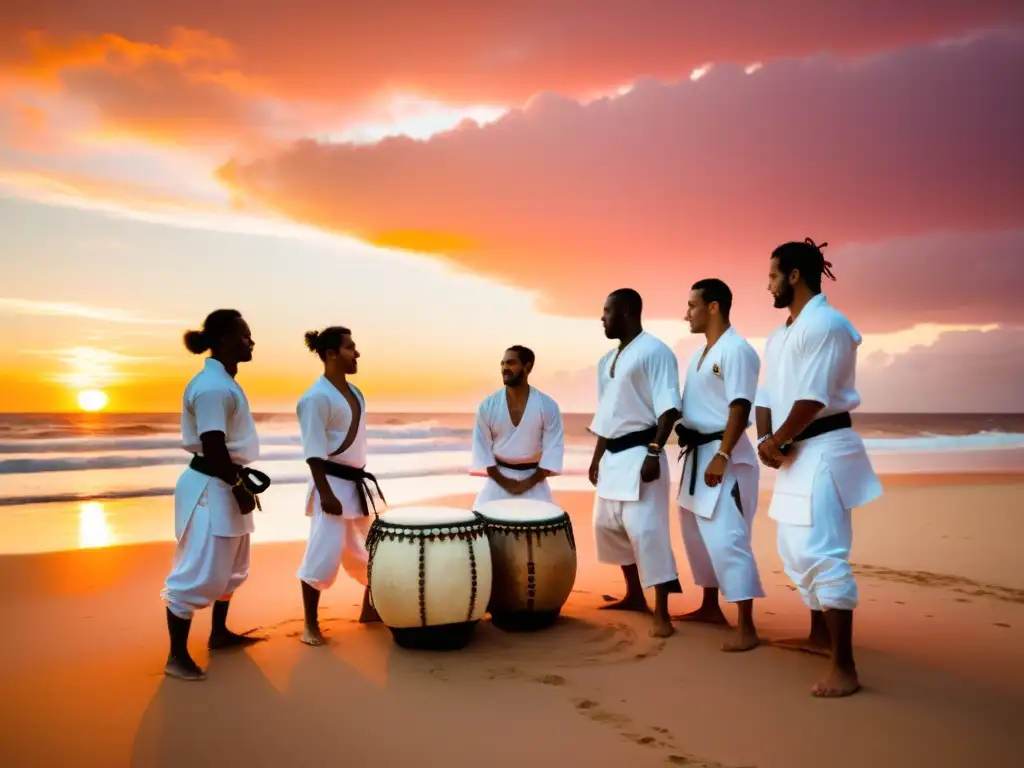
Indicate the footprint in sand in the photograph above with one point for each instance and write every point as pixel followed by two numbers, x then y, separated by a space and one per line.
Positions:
pixel 1001 624
pixel 962 600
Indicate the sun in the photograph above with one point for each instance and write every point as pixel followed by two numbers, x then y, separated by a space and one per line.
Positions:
pixel 92 400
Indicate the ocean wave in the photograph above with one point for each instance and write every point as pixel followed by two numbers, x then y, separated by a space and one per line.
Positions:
pixel 143 493
pixel 41 443
pixel 926 443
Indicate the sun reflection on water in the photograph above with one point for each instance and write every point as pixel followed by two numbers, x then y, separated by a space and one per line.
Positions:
pixel 93 528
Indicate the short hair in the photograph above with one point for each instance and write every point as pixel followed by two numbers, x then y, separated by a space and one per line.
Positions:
pixel 629 300
pixel 329 338
pixel 806 257
pixel 525 354
pixel 216 325
pixel 713 289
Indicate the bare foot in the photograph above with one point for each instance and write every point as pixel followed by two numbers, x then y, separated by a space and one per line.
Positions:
pixel 712 615
pixel 636 603
pixel 662 627
pixel 839 683
pixel 312 636
pixel 228 639
pixel 818 647
pixel 183 669
pixel 746 640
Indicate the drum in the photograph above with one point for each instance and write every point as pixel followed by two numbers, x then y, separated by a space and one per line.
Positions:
pixel 429 574
pixel 533 554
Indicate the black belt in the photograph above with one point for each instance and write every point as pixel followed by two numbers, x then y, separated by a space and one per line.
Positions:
pixel 822 426
pixel 255 482
pixel 631 440
pixel 690 441
pixel 359 476
pixel 510 465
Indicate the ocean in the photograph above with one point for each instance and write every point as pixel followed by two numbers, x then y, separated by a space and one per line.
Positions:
pixel 51 458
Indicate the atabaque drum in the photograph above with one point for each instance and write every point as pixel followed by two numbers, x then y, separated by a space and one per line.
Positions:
pixel 533 556
pixel 429 574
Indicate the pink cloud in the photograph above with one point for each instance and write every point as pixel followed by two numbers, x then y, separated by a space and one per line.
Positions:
pixel 466 51
pixel 671 183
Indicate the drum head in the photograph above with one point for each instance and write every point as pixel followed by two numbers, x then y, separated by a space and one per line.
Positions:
pixel 427 515
pixel 520 511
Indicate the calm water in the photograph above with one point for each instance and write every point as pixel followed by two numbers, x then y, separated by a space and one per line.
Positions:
pixel 72 457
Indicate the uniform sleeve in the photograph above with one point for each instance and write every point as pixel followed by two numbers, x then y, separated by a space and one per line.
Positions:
pixel 761 398
pixel 822 350
pixel 314 413
pixel 483 455
pixel 212 408
pixel 552 438
pixel 740 369
pixel 663 376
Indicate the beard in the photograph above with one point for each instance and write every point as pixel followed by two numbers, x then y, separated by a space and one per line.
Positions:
pixel 513 380
pixel 785 298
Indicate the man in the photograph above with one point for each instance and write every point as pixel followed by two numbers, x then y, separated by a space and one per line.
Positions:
pixel 718 488
pixel 332 419
pixel 638 399
pixel 518 440
pixel 805 431
pixel 215 495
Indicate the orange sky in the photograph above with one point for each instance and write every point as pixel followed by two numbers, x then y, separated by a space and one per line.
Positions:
pixel 452 180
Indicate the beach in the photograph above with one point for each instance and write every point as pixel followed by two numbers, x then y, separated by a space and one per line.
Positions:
pixel 939 638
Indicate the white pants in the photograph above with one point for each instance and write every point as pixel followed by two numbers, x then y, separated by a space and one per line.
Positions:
pixel 335 541
pixel 206 568
pixel 816 556
pixel 491 491
pixel 718 547
pixel 637 533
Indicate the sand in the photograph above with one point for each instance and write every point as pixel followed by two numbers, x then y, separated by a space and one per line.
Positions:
pixel 939 641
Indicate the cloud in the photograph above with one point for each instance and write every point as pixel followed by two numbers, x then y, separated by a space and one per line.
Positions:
pixel 66 309
pixel 468 52
pixel 669 183
pixel 976 370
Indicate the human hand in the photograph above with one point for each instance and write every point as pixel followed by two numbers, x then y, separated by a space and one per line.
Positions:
pixel 651 469
pixel 592 474
pixel 769 454
pixel 330 505
pixel 716 468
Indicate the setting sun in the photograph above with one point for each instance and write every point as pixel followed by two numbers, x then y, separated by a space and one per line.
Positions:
pixel 92 400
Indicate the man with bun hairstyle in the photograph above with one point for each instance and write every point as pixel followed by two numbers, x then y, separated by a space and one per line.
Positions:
pixel 332 418
pixel 215 495
pixel 805 432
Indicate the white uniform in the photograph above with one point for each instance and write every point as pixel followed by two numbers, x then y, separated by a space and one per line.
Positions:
pixel 538 438
pixel 631 523
pixel 211 560
pixel 815 358
pixel 716 529
pixel 334 541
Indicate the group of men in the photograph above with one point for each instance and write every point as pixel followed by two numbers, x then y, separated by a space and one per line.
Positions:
pixel 802 412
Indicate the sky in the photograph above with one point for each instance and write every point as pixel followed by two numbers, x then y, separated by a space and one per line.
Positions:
pixel 451 178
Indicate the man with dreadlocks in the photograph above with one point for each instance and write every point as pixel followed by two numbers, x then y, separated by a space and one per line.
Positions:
pixel 805 432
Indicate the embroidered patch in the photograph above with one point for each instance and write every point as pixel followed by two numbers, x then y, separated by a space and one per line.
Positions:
pixel 716 370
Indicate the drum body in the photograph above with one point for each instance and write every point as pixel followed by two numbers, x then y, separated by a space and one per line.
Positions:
pixel 429 575
pixel 533 554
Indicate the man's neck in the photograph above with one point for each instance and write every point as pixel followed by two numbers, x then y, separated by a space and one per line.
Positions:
pixel 337 378
pixel 518 392
pixel 800 300
pixel 629 335
pixel 714 333
pixel 231 366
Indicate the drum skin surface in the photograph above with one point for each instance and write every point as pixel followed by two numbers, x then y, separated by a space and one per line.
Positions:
pixel 429 575
pixel 533 557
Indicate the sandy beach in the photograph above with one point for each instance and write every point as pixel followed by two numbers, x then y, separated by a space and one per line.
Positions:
pixel 939 641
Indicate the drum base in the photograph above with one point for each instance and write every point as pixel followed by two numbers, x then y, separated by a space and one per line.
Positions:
pixel 524 621
pixel 444 637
